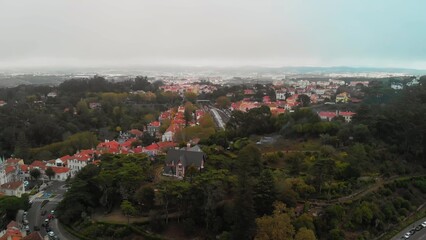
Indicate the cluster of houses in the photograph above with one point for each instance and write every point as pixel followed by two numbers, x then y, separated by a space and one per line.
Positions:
pixel 287 95
pixel 177 122
pixel 188 87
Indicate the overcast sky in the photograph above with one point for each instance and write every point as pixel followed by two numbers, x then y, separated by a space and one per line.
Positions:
pixel 379 33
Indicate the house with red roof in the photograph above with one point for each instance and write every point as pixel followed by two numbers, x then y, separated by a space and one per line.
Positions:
pixel 347 115
pixel 135 133
pixel 165 115
pixel 13 188
pixel 108 147
pixel 328 116
pixel 12 232
pixel 170 133
pixel 156 148
pixel 61 173
pixel 40 165
pixel 153 127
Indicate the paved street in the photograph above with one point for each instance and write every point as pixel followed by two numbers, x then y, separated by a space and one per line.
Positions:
pixel 46 201
pixel 418 235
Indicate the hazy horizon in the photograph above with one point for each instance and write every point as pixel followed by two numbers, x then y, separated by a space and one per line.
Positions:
pixel 271 33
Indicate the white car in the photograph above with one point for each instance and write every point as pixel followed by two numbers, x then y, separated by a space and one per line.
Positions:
pixel 407 235
pixel 424 224
pixel 51 234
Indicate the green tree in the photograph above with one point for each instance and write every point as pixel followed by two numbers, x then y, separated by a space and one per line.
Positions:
pixel 223 102
pixel 50 173
pixel 244 215
pixel 305 234
pixel 277 226
pixel 190 96
pixel 304 100
pixel 35 173
pixel 127 209
pixel 145 196
pixel 264 193
pixel 22 149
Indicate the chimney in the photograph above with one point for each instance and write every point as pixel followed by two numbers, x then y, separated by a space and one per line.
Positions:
pixel 188 146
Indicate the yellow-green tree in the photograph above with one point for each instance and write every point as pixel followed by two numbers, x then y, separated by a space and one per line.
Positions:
pixel 223 102
pixel 277 226
pixel 305 234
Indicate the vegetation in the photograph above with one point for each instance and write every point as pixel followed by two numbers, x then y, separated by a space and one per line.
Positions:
pixel 315 180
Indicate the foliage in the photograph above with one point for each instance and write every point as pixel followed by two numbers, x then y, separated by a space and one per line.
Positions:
pixel 50 173
pixel 35 173
pixel 277 226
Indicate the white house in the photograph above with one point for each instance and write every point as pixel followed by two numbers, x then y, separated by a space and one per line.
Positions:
pixel 61 173
pixel 13 188
pixel 76 164
pixel 280 95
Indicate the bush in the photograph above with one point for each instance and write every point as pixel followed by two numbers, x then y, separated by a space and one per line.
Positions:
pixel 421 185
pixel 121 232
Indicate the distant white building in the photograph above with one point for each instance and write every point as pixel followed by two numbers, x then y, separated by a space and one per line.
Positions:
pixel 397 86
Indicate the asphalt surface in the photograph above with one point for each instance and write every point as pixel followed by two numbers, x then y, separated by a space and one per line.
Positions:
pixel 53 194
pixel 418 235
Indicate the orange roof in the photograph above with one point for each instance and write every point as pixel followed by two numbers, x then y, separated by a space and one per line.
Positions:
pixel 12 224
pixel 129 142
pixel 13 160
pixel 136 132
pixel 59 170
pixel 10 169
pixel 155 124
pixel 24 168
pixel 172 128
pixel 38 164
pixel 12 185
pixel 346 113
pixel 166 144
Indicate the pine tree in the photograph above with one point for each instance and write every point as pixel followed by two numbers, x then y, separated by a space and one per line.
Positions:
pixel 244 224
pixel 265 194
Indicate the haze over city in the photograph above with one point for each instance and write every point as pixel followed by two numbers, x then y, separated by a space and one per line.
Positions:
pixel 55 34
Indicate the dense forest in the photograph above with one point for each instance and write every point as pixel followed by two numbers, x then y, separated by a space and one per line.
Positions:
pixel 317 180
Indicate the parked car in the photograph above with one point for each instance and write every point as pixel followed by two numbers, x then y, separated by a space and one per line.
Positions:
pixel 424 224
pixel 407 235
pixel 46 222
pixel 36 228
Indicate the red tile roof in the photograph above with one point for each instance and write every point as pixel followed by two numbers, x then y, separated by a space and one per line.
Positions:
pixel 136 132
pixel 24 168
pixel 345 114
pixel 59 170
pixel 10 169
pixel 12 185
pixel 12 224
pixel 155 124
pixel 38 164
pixel 327 114
pixel 13 160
